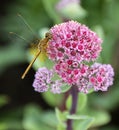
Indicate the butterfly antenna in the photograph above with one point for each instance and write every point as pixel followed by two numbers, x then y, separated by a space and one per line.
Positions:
pixel 13 33
pixel 25 22
pixel 30 65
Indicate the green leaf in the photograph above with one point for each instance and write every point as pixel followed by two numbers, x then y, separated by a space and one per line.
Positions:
pixel 99 30
pixel 82 100
pixel 85 124
pixel 16 55
pixel 69 102
pixel 106 101
pixel 65 88
pixel 60 127
pixel 10 125
pixel 35 119
pixel 3 100
pixel 101 117
pixel 50 9
pixel 52 99
pixel 77 117
pixel 11 119
pixel 61 116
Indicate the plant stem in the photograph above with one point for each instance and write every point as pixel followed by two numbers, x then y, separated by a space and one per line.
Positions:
pixel 74 93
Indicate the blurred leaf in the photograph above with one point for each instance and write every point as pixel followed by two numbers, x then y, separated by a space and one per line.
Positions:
pixel 101 117
pixel 11 119
pixel 99 30
pixel 12 54
pixel 61 116
pixel 35 119
pixel 85 124
pixel 78 117
pixel 82 101
pixel 10 125
pixel 65 88
pixel 50 9
pixel 53 99
pixel 60 127
pixel 110 128
pixel 3 100
pixel 82 122
pixel 69 102
pixel 105 100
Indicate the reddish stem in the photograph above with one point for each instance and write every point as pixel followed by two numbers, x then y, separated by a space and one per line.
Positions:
pixel 74 93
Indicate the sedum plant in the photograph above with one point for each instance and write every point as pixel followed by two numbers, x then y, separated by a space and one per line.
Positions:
pixel 73 50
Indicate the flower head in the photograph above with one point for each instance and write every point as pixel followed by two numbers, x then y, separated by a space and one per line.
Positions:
pixel 43 81
pixel 98 77
pixel 71 48
pixel 101 76
pixel 73 41
pixel 72 44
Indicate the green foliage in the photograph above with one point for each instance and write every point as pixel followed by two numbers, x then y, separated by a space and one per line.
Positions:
pixel 3 100
pixel 68 102
pixel 82 101
pixel 52 99
pixel 36 119
pixel 11 120
pixel 61 116
pixel 50 9
pixel 84 121
pixel 85 124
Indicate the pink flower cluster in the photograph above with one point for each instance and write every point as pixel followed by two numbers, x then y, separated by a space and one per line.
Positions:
pixel 101 76
pixel 73 41
pixel 71 73
pixel 71 49
pixel 97 77
pixel 43 81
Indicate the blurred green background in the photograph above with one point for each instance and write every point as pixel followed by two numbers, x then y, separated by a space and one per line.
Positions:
pixel 21 108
